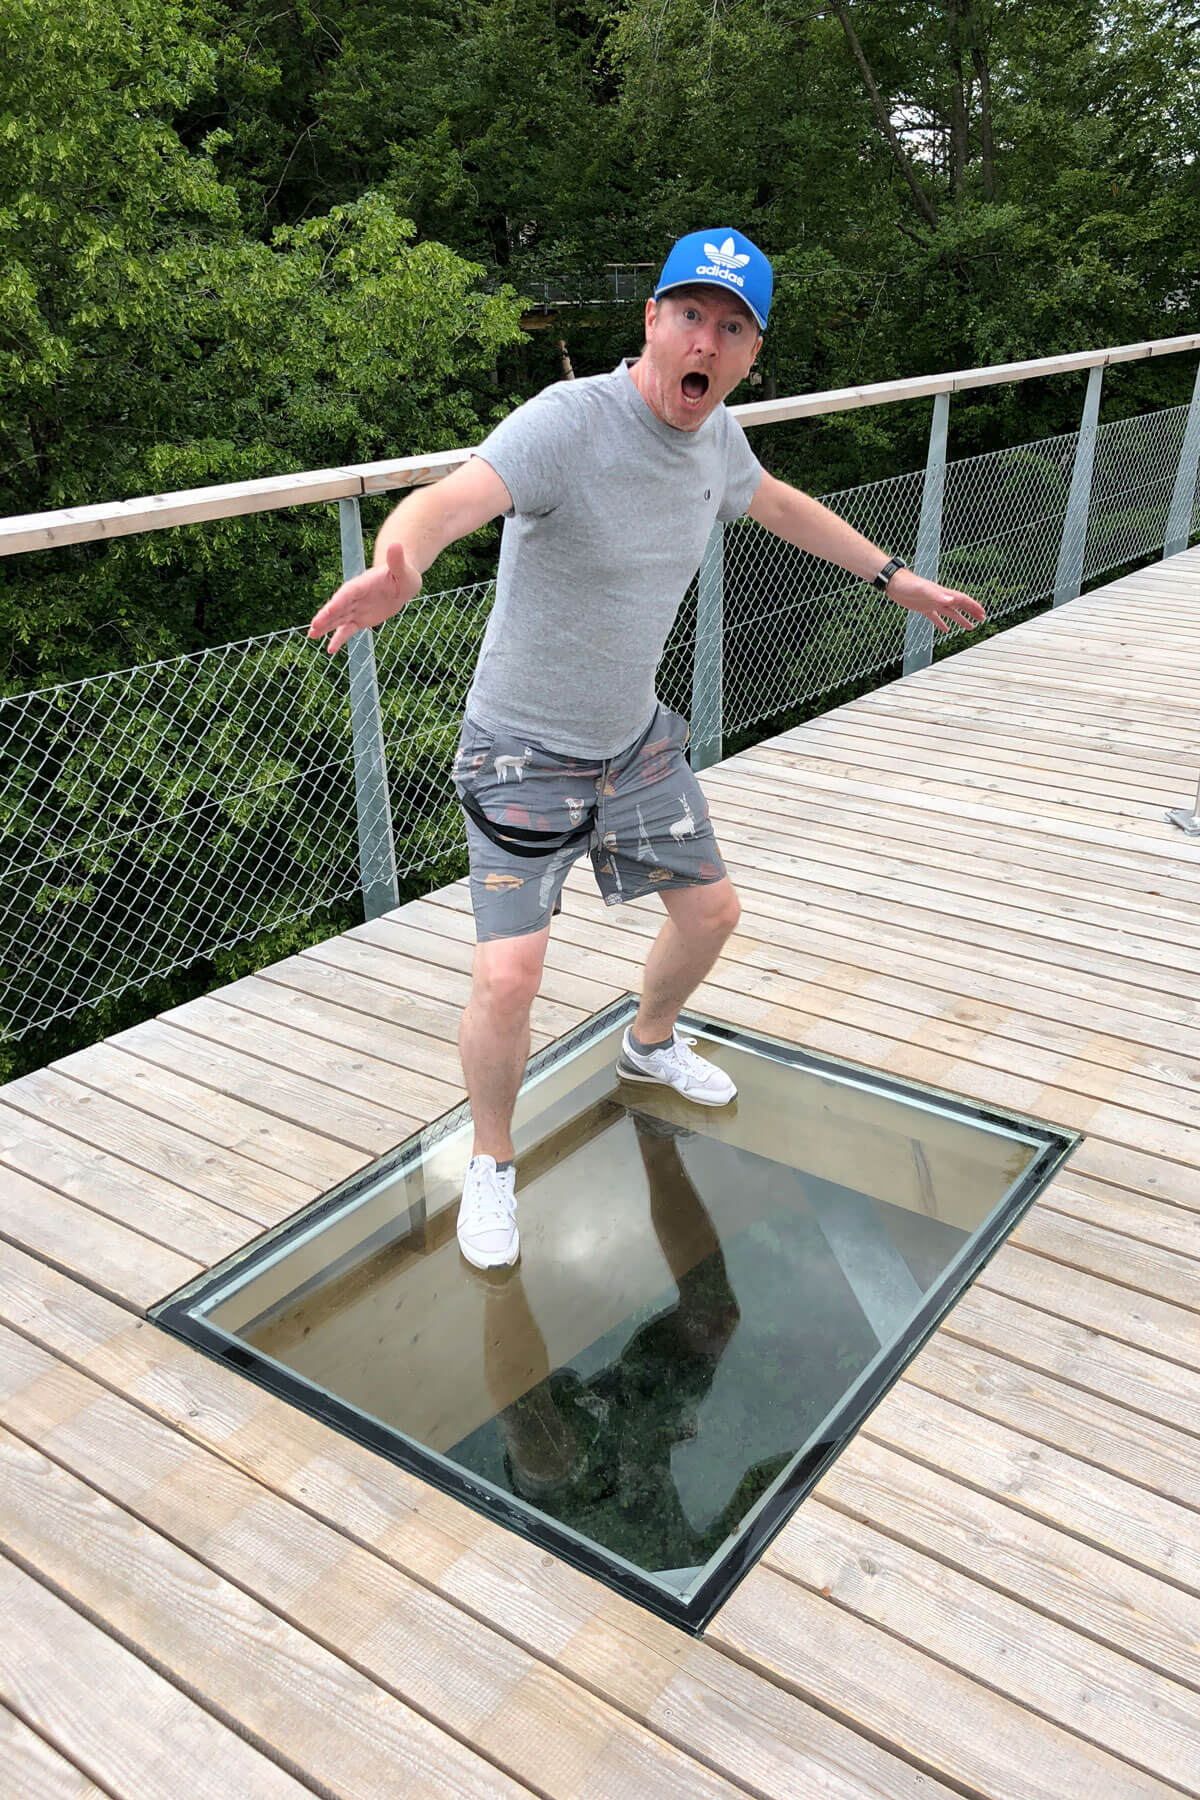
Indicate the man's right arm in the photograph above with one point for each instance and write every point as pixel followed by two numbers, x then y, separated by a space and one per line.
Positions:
pixel 412 535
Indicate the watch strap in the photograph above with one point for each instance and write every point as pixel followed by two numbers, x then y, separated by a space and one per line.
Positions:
pixel 885 574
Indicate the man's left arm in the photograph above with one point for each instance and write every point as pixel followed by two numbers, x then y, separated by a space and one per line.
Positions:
pixel 803 521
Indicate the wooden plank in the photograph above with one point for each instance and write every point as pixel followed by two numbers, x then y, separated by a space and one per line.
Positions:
pixel 1141 983
pixel 1053 695
pixel 953 783
pixel 292 1118
pixel 1072 682
pixel 1145 1451
pixel 597 970
pixel 913 743
pixel 1137 1715
pixel 34 1771
pixel 399 932
pixel 166 1090
pixel 158 1209
pixel 409 1051
pixel 854 793
pixel 1117 1312
pixel 986 997
pixel 948 1724
pixel 285 1056
pixel 678 1687
pixel 320 1603
pixel 415 1014
pixel 101 1252
pixel 1029 1337
pixel 1076 653
pixel 1144 1619
pixel 1153 1534
pixel 775 819
pixel 869 866
pixel 982 718
pixel 105 1711
pixel 1149 1221
pixel 772 863
pixel 1033 677
pixel 381 966
pixel 959 900
pixel 358 1727
pixel 156 1146
pixel 1147 1268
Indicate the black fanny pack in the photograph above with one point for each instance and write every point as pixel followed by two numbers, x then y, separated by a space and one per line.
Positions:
pixel 519 842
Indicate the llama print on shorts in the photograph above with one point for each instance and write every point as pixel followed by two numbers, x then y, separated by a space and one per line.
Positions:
pixel 685 827
pixel 645 850
pixel 503 765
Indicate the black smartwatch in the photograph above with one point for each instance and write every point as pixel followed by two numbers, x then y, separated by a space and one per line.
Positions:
pixel 885 574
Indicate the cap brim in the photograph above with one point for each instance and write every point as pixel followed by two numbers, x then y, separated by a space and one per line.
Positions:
pixel 722 287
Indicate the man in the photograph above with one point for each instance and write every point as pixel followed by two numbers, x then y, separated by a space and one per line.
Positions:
pixel 609 487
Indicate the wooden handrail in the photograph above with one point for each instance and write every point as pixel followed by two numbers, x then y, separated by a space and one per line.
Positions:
pixel 122 518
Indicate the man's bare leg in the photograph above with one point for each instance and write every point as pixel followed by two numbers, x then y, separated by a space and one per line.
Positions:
pixel 493 1038
pixel 699 920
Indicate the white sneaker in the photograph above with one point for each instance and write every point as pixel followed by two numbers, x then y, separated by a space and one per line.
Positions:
pixel 677 1066
pixel 487 1218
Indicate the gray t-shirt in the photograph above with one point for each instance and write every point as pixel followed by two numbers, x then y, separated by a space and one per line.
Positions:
pixel 612 509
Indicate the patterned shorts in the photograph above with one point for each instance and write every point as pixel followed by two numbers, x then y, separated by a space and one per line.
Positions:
pixel 640 816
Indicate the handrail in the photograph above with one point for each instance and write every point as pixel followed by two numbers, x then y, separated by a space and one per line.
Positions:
pixel 123 518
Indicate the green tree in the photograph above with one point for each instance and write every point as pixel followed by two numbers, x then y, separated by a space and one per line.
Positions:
pixel 149 341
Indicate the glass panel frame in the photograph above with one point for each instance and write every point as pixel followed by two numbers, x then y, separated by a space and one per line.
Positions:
pixel 187 1315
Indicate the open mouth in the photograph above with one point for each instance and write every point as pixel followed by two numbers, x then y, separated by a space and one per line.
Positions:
pixel 694 387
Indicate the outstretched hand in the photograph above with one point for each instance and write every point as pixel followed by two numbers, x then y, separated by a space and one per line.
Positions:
pixel 368 599
pixel 944 606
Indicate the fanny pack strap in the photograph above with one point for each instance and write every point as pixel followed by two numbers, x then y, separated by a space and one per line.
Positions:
pixel 516 840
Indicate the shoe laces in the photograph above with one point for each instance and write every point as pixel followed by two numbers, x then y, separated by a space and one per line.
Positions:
pixel 491 1198
pixel 685 1058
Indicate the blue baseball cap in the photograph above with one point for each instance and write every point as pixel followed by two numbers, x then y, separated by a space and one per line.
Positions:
pixel 721 259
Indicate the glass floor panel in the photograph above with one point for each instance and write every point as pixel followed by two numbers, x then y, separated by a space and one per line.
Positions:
pixel 709 1301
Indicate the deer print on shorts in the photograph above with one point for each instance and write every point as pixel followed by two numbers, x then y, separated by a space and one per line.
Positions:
pixel 503 765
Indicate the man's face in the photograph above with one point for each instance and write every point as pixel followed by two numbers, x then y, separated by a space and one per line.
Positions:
pixel 699 345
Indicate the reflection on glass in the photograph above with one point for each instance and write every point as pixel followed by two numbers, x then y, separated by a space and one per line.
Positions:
pixel 698 1293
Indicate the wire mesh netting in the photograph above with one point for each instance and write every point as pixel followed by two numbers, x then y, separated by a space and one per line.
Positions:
pixel 173 810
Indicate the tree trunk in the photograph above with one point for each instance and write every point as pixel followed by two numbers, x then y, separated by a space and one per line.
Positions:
pixel 923 203
pixel 979 58
pixel 959 148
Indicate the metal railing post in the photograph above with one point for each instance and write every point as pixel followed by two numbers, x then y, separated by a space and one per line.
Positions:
pixel 918 631
pixel 1179 519
pixel 376 847
pixel 1068 577
pixel 707 663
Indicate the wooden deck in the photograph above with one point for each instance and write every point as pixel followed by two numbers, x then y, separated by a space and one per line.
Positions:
pixel 965 878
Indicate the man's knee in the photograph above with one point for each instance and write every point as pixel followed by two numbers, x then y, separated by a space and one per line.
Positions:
pixel 717 909
pixel 708 910
pixel 508 972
